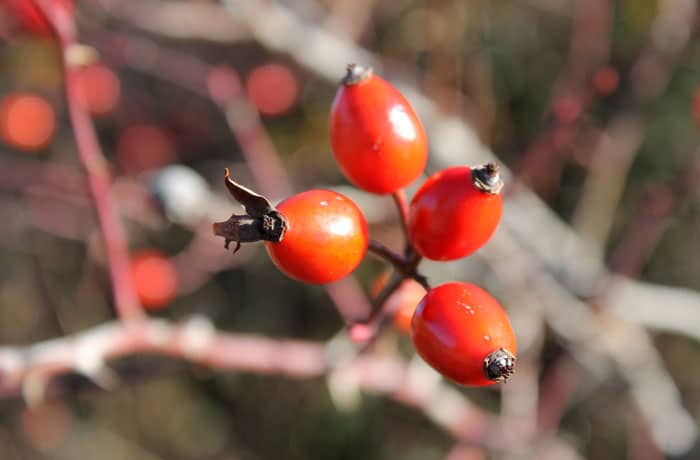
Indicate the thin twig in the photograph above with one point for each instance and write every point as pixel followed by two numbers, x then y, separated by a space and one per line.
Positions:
pixel 383 252
pixel 98 177
pixel 380 301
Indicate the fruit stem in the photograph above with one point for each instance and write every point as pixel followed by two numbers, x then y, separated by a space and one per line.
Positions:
pixel 356 74
pixel 405 268
pixel 381 298
pixel 422 280
pixel 377 319
pixel 383 252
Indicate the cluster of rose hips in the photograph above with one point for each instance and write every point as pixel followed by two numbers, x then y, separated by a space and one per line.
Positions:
pixel 320 236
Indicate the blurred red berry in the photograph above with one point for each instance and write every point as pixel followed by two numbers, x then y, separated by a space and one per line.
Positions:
pixel 272 88
pixel 154 279
pixel 100 88
pixel 606 80
pixel 143 147
pixel 27 121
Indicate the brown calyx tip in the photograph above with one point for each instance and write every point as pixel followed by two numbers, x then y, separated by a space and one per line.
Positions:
pixel 486 178
pixel 261 221
pixel 356 74
pixel 499 365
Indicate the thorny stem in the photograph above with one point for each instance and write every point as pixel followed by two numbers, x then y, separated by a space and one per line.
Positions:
pixel 98 177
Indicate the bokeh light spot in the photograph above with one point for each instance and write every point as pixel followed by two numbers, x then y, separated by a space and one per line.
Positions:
pixel 142 147
pixel 272 88
pixel 154 278
pixel 100 89
pixel 27 121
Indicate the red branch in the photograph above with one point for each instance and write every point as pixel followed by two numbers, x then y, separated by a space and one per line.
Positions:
pixel 98 177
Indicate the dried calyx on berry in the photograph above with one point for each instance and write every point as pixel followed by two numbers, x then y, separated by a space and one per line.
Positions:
pixel 260 223
pixel 355 74
pixel 499 365
pixel 487 178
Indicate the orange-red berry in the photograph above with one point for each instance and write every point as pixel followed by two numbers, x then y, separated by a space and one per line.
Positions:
pixel 377 138
pixel 464 333
pixel 455 212
pixel 325 240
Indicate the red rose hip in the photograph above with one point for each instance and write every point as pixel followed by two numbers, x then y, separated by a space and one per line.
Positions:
pixel 455 211
pixel 325 240
pixel 318 236
pixel 464 333
pixel 377 138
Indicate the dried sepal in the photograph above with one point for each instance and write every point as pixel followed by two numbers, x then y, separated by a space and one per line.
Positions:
pixel 260 223
pixel 255 204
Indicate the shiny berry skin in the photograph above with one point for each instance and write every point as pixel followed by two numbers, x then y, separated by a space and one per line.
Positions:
pixel 325 240
pixel 455 212
pixel 464 333
pixel 377 138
